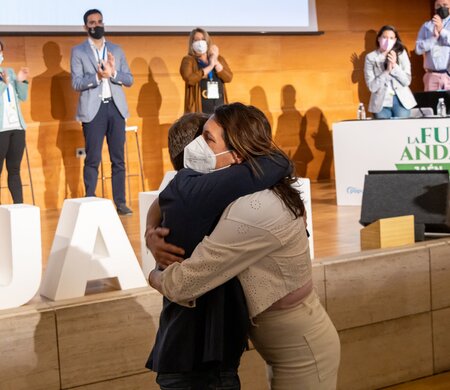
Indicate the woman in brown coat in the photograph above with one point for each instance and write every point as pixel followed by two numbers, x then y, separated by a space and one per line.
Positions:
pixel 205 73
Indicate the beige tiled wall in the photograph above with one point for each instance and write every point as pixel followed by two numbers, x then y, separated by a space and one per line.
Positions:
pixel 28 349
pixel 392 309
pixel 378 288
pixel 380 354
pixel 121 330
pixel 440 275
pixel 384 305
pixel 441 340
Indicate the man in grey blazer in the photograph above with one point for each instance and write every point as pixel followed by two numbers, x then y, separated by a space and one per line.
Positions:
pixel 99 72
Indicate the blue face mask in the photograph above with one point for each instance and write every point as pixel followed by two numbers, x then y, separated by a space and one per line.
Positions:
pixel 1 58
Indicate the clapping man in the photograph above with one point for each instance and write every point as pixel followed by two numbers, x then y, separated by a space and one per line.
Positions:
pixel 99 72
pixel 433 42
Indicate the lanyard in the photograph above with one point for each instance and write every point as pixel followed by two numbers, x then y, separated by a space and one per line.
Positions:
pixel 103 55
pixel 7 90
pixel 204 65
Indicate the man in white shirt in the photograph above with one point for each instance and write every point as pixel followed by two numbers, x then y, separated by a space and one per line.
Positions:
pixel 433 42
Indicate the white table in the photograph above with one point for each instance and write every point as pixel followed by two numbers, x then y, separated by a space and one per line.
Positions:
pixel 391 144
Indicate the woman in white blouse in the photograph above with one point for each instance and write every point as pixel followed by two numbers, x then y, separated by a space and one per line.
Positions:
pixel 387 72
pixel 262 239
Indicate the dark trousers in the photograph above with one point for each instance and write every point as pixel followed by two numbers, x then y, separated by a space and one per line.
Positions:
pixel 205 380
pixel 12 145
pixel 110 123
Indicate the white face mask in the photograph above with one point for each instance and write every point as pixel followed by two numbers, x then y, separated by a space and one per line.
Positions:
pixel 200 46
pixel 199 156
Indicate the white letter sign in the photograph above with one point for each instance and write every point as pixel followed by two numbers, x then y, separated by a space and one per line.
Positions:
pixel 20 254
pixel 90 243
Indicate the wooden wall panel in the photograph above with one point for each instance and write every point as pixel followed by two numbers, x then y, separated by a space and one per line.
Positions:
pixel 303 83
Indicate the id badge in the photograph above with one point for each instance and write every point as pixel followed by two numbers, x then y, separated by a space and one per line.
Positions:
pixel 212 88
pixel 12 113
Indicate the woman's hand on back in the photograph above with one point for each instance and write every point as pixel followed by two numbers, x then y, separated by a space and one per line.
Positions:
pixel 164 253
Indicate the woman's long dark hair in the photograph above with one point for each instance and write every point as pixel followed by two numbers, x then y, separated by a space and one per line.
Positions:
pixel 247 131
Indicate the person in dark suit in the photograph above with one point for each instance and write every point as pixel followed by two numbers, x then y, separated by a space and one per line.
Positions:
pixel 99 72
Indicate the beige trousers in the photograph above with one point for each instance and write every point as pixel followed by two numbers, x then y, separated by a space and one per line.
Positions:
pixel 300 345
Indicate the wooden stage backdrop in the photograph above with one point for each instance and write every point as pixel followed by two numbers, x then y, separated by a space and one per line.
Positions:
pixel 303 83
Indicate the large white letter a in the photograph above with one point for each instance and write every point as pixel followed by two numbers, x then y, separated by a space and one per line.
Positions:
pixel 90 243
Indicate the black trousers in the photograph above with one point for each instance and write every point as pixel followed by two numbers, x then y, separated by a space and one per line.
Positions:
pixel 110 123
pixel 205 380
pixel 12 145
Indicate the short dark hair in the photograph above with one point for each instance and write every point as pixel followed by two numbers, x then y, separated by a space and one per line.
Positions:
pixel 181 133
pixel 1 45
pixel 90 12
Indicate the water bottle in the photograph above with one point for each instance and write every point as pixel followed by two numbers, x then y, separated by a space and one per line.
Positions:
pixel 361 113
pixel 441 109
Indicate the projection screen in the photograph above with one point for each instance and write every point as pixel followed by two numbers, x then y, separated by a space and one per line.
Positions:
pixel 166 16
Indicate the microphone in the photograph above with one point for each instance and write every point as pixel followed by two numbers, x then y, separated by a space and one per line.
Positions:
pixel 423 114
pixel 386 61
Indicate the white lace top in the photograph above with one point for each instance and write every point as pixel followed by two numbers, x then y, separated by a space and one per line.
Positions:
pixel 258 239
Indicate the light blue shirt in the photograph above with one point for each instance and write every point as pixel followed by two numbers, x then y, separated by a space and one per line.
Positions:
pixel 436 50
pixel 18 91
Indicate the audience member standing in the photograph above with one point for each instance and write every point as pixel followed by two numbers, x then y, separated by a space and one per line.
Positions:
pixel 99 72
pixel 433 42
pixel 12 125
pixel 387 71
pixel 205 73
